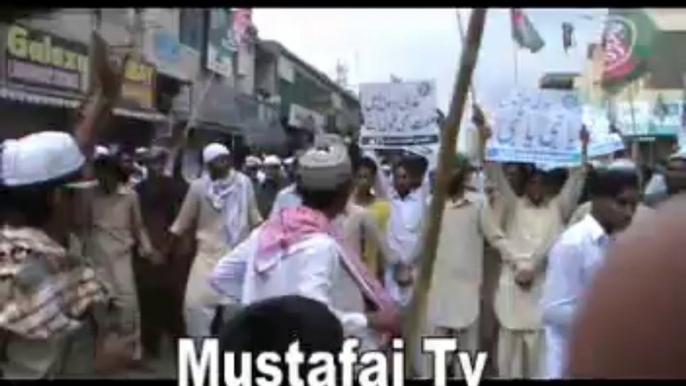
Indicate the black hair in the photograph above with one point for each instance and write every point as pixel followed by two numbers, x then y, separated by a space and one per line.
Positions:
pixel 355 154
pixel 274 324
pixel 322 200
pixel 611 182
pixel 33 203
pixel 413 165
pixel 530 171
pixel 111 165
pixel 368 163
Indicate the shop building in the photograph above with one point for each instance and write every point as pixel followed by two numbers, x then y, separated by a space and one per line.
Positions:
pixel 45 75
pixel 309 101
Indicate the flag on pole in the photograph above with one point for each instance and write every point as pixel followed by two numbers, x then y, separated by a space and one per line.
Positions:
pixel 627 42
pixel 523 31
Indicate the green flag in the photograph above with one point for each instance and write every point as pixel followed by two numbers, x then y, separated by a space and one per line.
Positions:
pixel 628 39
pixel 524 32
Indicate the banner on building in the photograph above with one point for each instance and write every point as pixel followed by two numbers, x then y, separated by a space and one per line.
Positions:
pixel 537 126
pixel 221 42
pixel 399 115
pixel 38 59
pixel 242 23
pixel 138 87
pixel 641 118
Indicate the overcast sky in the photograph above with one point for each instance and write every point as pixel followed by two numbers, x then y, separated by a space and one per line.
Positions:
pixel 419 44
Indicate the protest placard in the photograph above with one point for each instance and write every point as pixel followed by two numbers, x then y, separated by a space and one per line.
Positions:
pixel 537 126
pixel 602 142
pixel 399 115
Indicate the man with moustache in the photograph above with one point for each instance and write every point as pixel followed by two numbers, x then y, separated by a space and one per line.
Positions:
pixel 580 252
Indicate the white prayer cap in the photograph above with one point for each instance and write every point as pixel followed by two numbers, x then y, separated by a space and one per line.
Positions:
pixel 39 157
pixel 272 160
pixel 141 151
pixel 289 161
pixel 622 163
pixel 214 151
pixel 324 166
pixel 252 161
pixel 101 151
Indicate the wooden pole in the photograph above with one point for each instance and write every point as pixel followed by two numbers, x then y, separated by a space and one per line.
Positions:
pixel 463 41
pixel 417 309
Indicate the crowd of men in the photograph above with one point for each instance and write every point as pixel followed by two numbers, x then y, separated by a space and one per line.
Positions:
pixel 95 272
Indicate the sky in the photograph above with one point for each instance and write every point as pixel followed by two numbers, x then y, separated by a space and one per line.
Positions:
pixel 425 44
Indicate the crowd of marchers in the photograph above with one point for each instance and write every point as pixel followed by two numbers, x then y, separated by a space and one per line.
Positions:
pixel 105 253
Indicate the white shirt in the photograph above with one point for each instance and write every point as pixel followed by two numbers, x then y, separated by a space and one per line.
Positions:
pixel 572 264
pixel 405 223
pixel 288 197
pixel 311 268
pixel 404 235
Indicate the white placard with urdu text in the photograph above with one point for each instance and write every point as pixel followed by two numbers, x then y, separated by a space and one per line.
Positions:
pixel 398 115
pixel 537 126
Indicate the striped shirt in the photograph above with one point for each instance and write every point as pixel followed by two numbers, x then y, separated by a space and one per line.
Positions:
pixel 44 291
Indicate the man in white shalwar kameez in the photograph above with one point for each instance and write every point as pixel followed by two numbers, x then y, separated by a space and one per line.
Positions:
pixel 221 206
pixel 577 256
pixel 408 200
pixel 296 252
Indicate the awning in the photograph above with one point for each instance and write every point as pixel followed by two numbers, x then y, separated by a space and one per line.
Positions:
pixel 32 98
pixel 142 115
pixel 54 101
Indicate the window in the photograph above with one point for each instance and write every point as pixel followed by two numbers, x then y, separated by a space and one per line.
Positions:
pixel 191 27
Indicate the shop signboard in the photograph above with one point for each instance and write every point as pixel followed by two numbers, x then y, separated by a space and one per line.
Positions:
pixel 221 42
pixel 138 87
pixel 42 60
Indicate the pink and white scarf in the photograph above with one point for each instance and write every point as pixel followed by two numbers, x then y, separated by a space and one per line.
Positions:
pixel 290 225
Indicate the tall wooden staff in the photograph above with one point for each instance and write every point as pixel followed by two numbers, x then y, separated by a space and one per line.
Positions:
pixel 417 311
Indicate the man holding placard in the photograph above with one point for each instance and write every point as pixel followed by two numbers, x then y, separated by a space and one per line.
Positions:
pixel 532 222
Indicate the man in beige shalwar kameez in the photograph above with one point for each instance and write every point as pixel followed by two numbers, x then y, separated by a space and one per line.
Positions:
pixel 116 231
pixel 454 295
pixel 531 224
pixel 221 206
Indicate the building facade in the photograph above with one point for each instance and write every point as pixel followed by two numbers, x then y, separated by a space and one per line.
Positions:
pixel 197 68
pixel 649 111
pixel 309 101
pixel 45 74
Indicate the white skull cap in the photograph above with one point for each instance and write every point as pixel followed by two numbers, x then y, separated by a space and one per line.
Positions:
pixel 38 158
pixel 272 160
pixel 214 151
pixel 325 166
